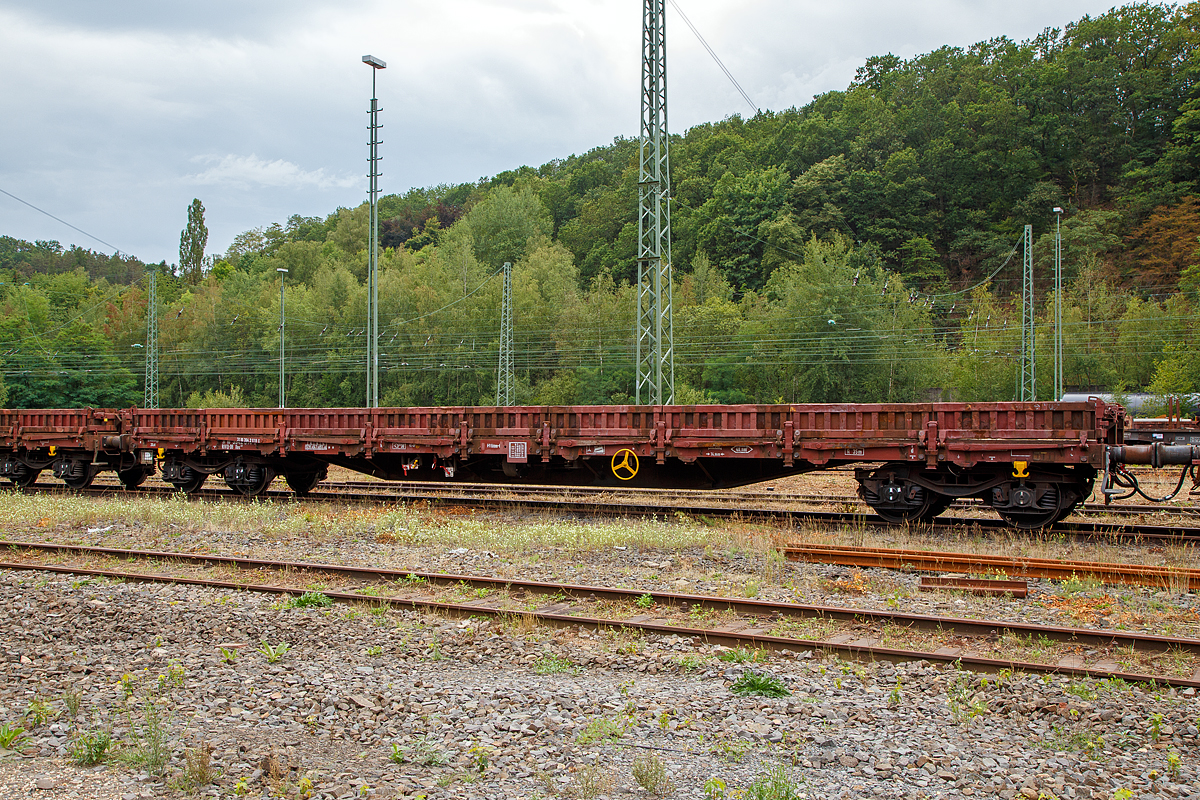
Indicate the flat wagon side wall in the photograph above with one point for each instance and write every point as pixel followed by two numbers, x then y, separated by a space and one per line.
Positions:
pixel 964 434
pixel 42 429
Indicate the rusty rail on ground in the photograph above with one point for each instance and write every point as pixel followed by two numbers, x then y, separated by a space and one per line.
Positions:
pixel 1182 578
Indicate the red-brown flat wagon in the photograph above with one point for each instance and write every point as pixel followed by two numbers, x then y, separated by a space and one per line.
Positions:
pixel 1032 462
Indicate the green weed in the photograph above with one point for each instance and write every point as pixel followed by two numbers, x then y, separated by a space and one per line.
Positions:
pixel 715 789
pixel 311 600
pixel 774 785
pixel 12 736
pixel 600 730
pixel 759 684
pixel 38 712
pixel 273 653
pixel 651 774
pixel 421 751
pixel 549 664
pixel 740 655
pixel 149 745
pixel 589 782
pixel 89 747
pixel 72 699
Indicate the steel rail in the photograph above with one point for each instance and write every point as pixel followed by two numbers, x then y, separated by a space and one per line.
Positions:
pixel 759 608
pixel 626 508
pixel 1051 569
pixel 768 496
pixel 861 649
pixel 763 496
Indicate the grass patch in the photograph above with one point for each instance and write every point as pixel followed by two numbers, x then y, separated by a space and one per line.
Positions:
pixel 89 747
pixel 149 744
pixel 550 664
pixel 740 655
pixel 600 730
pixel 773 785
pixel 310 600
pixel 651 774
pixel 759 684
pixel 421 751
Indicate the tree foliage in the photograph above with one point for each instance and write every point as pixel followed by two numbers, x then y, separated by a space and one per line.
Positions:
pixel 192 242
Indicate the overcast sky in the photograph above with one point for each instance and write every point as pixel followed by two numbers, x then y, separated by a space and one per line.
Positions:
pixel 114 115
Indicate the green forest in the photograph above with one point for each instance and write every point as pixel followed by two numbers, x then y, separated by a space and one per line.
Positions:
pixel 862 248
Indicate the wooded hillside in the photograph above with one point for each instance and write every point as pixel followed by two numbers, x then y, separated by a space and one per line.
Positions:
pixel 861 248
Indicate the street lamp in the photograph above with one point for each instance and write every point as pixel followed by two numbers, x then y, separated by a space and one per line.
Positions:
pixel 1058 333
pixel 375 64
pixel 281 272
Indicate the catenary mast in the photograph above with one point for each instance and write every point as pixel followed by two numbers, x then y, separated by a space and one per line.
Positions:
pixel 655 335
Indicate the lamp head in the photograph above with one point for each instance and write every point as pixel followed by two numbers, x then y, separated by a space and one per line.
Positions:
pixel 375 63
pixel 1056 210
pixel 280 269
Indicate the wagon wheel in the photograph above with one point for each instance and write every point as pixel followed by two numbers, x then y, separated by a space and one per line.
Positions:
pixel 193 484
pixel 303 482
pixel 1034 520
pixel 250 481
pixel 937 504
pixel 902 516
pixel 132 478
pixel 192 481
pixel 25 478
pixel 908 502
pixel 81 480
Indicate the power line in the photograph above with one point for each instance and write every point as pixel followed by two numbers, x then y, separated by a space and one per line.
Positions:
pixel 728 74
pixel 63 221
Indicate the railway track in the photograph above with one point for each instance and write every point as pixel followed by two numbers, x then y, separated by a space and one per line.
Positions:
pixel 732 496
pixel 734 622
pixel 623 503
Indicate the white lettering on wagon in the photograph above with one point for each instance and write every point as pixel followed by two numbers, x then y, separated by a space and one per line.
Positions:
pixel 713 453
pixel 743 450
pixel 317 446
pixel 595 450
pixel 853 451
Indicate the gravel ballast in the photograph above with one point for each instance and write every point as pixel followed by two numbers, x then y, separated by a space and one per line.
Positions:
pixel 487 708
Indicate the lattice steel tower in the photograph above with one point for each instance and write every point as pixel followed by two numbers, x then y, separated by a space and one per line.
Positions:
pixel 1028 378
pixel 150 399
pixel 505 379
pixel 655 333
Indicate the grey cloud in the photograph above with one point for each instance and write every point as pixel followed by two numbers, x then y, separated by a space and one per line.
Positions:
pixel 212 17
pixel 259 107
